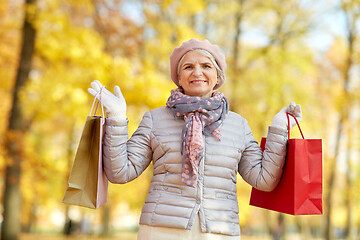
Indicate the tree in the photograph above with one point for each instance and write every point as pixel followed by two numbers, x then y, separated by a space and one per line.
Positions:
pixel 15 134
pixel 352 15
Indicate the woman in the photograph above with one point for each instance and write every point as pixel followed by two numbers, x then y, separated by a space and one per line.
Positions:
pixel 197 147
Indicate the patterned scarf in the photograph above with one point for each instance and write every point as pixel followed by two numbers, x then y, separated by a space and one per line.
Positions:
pixel 201 115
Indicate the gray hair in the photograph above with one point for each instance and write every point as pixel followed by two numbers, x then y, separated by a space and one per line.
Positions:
pixel 220 73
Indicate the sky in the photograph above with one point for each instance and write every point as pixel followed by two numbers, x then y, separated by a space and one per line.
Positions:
pixel 328 20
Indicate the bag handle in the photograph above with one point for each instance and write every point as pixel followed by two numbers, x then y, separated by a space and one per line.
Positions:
pixel 102 106
pixel 287 115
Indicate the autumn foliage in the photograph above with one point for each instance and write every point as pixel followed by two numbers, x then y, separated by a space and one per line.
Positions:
pixel 277 52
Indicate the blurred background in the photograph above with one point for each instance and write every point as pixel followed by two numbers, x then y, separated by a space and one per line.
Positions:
pixel 277 51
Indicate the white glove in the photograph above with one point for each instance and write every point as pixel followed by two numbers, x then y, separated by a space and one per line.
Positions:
pixel 280 119
pixel 115 104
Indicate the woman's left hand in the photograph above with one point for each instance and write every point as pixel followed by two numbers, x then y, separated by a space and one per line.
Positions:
pixel 280 119
pixel 114 103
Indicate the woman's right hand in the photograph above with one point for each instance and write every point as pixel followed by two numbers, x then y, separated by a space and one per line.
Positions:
pixel 114 103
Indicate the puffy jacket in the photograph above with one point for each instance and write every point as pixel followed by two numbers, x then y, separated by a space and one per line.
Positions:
pixel 171 203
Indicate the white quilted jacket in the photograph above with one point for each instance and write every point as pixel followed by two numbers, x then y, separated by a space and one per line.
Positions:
pixel 171 203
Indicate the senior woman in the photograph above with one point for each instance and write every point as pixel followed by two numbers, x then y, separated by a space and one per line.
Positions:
pixel 197 147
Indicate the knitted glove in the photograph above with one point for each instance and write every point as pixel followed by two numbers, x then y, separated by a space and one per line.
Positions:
pixel 280 119
pixel 115 104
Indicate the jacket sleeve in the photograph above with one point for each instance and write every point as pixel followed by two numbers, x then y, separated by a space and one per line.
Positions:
pixel 263 170
pixel 126 160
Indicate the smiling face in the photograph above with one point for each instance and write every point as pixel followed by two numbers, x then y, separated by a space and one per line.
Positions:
pixel 197 75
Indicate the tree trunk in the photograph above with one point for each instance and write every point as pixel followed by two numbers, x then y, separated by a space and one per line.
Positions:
pixel 106 221
pixel 70 157
pixel 344 115
pixel 352 18
pixel 348 187
pixel 304 228
pixel 233 98
pixel 236 44
pixel 278 232
pixel 11 226
pixel 328 197
pixel 32 218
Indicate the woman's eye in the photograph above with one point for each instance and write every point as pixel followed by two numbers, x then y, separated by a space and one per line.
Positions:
pixel 187 67
pixel 207 66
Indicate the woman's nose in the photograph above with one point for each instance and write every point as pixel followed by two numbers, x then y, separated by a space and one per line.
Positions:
pixel 197 71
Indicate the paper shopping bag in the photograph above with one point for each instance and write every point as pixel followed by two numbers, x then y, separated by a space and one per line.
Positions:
pixel 299 191
pixel 87 185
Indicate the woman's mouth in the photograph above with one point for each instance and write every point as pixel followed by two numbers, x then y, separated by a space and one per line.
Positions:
pixel 198 81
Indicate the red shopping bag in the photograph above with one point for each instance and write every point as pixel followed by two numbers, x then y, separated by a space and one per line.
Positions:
pixel 299 191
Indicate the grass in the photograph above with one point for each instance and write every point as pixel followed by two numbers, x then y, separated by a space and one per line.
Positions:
pixel 122 236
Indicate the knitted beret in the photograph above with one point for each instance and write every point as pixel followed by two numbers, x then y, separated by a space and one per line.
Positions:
pixel 192 44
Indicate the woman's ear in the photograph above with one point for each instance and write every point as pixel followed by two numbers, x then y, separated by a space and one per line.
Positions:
pixel 217 82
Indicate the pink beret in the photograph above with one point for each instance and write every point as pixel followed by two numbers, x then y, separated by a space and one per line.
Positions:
pixel 192 44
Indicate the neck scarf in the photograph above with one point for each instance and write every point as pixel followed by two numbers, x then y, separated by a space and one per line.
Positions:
pixel 201 115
